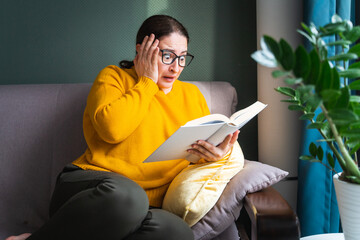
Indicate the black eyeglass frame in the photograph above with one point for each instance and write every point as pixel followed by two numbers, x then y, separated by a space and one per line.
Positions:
pixel 188 55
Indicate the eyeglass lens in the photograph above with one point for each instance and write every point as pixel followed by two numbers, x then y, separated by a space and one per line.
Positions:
pixel 169 57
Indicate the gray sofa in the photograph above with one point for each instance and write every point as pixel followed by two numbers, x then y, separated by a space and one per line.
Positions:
pixel 41 131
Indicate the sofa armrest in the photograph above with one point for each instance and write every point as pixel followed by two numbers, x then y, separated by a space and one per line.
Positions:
pixel 269 216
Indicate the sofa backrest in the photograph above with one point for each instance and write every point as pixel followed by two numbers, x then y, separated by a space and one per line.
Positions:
pixel 40 132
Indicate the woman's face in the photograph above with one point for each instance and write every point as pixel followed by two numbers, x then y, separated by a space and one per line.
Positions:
pixel 177 44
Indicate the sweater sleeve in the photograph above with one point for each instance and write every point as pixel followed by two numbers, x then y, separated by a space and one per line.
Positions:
pixel 116 104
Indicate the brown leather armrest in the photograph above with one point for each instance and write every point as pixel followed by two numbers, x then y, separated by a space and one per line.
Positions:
pixel 271 216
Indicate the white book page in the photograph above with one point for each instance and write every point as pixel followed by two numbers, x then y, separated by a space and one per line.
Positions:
pixel 209 119
pixel 241 117
pixel 176 145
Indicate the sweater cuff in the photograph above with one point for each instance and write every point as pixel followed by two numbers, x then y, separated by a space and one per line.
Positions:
pixel 148 85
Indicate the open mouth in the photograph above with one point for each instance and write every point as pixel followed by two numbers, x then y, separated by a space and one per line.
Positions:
pixel 169 79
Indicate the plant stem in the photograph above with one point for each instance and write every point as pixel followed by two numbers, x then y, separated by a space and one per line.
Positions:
pixel 332 147
pixel 347 163
pixel 335 151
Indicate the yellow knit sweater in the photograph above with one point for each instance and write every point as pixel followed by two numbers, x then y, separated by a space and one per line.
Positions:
pixel 127 118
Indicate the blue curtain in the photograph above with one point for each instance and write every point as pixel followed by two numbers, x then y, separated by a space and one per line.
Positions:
pixel 317 205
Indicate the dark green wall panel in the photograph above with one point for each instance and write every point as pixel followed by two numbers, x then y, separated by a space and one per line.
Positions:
pixel 70 41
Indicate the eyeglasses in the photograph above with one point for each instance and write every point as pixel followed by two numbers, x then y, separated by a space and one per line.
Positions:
pixel 168 57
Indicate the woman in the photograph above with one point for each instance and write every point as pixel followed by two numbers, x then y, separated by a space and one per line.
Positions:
pixel 108 193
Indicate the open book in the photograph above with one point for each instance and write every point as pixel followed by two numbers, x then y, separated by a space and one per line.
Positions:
pixel 212 128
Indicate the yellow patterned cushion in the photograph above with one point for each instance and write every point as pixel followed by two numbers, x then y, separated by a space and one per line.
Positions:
pixel 196 189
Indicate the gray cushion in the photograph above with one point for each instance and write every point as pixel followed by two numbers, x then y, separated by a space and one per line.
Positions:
pixel 252 178
pixel 221 97
pixel 40 131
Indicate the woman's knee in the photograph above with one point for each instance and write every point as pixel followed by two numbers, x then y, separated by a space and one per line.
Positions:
pixel 160 224
pixel 124 197
pixel 120 204
pixel 172 225
pixel 109 207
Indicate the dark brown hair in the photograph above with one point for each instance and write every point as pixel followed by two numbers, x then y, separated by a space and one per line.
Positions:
pixel 160 26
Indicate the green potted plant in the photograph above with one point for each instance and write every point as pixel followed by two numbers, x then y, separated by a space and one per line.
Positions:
pixel 324 89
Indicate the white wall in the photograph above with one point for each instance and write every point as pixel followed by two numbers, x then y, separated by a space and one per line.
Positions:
pixel 279 128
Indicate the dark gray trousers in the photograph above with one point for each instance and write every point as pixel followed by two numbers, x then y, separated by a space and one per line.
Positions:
pixel 97 205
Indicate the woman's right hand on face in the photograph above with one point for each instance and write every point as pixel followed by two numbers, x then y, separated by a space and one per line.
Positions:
pixel 146 60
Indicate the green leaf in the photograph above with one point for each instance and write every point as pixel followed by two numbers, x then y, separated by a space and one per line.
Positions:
pixel 290 101
pixel 355 98
pixel 327 131
pixel 320 117
pixel 343 43
pixel 315 160
pixel 344 99
pixel 351 133
pixel 355 149
pixel 313 149
pixel 336 79
pixel 355 65
pixel 353 144
pixel 296 107
pixel 356 109
pixel 305 89
pixel 264 58
pixel 273 46
pixel 313 102
pixel 323 53
pixel 329 78
pixel 307 158
pixel 286 91
pixel 355 85
pixel 330 160
pixel 311 38
pixel 330 95
pixel 320 153
pixel 304 92
pixel 326 77
pixel 332 28
pixel 350 73
pixel 326 140
pixel 336 18
pixel 343 117
pixel 353 35
pixel 307 116
pixel 279 73
pixel 316 125
pixel 313 29
pixel 355 49
pixel 343 57
pixel 355 125
pixel 306 28
pixel 314 69
pixel 302 63
pixel 288 58
pixel 349 26
pixel 292 81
